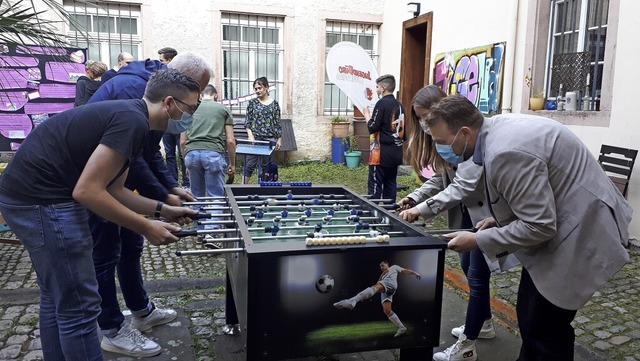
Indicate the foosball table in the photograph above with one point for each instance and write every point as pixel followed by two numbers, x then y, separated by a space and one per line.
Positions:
pixel 297 253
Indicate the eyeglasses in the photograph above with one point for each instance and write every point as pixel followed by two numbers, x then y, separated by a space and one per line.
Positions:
pixel 190 108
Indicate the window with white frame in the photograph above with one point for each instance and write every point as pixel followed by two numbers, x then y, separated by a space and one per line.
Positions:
pixel 578 26
pixel 336 102
pixel 105 30
pixel 252 47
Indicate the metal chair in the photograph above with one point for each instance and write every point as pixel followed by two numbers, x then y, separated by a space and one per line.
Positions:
pixel 618 164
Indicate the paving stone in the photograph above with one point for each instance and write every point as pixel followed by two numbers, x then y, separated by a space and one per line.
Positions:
pixel 602 334
pixel 17 339
pixel 602 345
pixel 10 352
pixel 619 340
pixel 34 356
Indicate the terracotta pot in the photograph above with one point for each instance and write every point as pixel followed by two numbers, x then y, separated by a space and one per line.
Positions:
pixel 340 130
pixel 536 103
pixel 357 114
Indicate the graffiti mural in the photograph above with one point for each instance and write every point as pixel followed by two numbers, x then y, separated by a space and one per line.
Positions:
pixel 475 73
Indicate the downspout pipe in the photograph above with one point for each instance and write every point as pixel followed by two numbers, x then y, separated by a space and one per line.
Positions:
pixel 512 30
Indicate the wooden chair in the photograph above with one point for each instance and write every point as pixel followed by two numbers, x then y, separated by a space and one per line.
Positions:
pixel 618 164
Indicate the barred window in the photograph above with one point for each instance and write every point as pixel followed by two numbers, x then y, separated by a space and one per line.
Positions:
pixel 252 47
pixel 105 30
pixel 577 38
pixel 365 35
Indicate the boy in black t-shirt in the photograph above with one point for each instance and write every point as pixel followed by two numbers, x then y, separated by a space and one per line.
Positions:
pixel 74 161
pixel 386 129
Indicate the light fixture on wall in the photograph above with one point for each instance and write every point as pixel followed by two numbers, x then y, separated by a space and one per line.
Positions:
pixel 414 8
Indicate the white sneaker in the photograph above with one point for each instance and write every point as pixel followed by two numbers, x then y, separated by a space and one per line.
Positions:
pixel 159 316
pixel 462 350
pixel 487 331
pixel 129 341
pixel 348 304
pixel 401 331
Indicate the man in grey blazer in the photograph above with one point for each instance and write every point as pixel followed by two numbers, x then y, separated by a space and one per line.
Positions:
pixel 553 207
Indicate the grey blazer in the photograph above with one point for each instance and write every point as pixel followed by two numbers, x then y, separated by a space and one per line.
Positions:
pixel 555 207
pixel 445 191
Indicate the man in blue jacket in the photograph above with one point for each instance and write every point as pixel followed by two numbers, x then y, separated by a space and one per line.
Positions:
pixel 120 248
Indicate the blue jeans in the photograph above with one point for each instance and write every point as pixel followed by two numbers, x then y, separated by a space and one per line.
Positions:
pixel 118 248
pixel 59 243
pixel 207 169
pixel 171 143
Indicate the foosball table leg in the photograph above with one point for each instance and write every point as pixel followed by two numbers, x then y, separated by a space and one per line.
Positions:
pixel 416 354
pixel 231 314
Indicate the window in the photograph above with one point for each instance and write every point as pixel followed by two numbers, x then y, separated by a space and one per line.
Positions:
pixel 252 47
pixel 577 38
pixel 366 35
pixel 105 31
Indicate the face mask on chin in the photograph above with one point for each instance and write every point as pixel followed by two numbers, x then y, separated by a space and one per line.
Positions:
pixel 447 153
pixel 177 126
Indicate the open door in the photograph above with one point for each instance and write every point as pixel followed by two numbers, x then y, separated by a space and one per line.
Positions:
pixel 415 65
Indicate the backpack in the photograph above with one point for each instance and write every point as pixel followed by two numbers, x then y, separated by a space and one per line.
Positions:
pixel 270 173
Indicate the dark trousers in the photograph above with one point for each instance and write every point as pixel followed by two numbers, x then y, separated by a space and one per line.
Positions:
pixel 171 143
pixel 117 249
pixel 547 334
pixel 382 182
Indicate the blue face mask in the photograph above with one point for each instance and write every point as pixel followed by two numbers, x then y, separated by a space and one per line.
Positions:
pixel 177 126
pixel 447 153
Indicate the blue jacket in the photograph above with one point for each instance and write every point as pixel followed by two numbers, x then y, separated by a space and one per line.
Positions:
pixel 148 172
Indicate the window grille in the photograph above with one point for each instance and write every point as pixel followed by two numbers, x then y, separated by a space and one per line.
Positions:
pixel 105 30
pixel 252 47
pixel 336 102
pixel 578 30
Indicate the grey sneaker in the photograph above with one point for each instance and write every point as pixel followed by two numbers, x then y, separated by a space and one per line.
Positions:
pixel 159 316
pixel 348 304
pixel 129 341
pixel 209 242
pixel 487 331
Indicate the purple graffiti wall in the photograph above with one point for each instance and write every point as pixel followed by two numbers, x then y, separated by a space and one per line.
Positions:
pixel 35 83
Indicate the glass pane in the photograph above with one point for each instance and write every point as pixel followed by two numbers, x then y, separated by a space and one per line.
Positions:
pixel 250 34
pixel 236 64
pixel 80 22
pixel 127 26
pixel 231 32
pixel 366 42
pixel 267 65
pixel 598 16
pixel 332 39
pixel 270 36
pixel 103 24
pixel 334 99
pixel 596 43
pixel 350 37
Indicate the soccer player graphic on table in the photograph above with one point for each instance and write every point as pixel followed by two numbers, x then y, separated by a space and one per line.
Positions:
pixel 386 286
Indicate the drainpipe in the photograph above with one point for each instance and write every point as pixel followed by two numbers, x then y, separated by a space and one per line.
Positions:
pixel 512 30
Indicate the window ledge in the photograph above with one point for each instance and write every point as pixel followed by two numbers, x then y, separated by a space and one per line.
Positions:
pixel 585 118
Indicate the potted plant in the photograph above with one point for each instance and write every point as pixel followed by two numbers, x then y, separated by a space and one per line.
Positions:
pixel 352 153
pixel 339 127
pixel 536 99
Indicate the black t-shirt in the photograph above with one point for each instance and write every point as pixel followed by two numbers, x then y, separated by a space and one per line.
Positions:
pixel 49 162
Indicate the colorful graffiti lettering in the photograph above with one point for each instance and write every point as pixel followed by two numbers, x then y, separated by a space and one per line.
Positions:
pixel 475 73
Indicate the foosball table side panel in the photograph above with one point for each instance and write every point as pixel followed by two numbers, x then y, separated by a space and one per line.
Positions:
pixel 290 302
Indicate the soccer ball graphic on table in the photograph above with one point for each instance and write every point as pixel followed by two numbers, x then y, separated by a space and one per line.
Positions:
pixel 324 284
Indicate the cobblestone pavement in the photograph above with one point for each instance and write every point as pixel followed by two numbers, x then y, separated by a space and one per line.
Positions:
pixel 607 326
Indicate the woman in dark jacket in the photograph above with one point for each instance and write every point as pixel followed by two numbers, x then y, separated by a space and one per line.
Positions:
pixel 87 85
